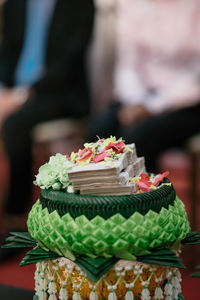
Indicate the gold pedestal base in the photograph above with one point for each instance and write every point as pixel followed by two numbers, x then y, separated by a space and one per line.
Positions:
pixel 62 279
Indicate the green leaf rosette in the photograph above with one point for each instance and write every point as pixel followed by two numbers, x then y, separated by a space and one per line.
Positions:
pixel 116 236
pixel 54 174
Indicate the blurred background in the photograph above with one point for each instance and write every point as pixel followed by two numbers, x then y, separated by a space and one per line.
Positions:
pixel 120 67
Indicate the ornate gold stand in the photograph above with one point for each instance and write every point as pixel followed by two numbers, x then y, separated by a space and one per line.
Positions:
pixel 62 279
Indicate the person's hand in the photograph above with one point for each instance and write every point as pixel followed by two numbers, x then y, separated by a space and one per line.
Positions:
pixel 10 101
pixel 7 103
pixel 131 114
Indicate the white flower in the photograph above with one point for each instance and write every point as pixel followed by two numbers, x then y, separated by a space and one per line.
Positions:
pixel 52 297
pixel 93 296
pixel 63 295
pixel 145 294
pixel 52 287
pixel 76 296
pixel 158 293
pixel 168 289
pixel 112 296
pixel 129 296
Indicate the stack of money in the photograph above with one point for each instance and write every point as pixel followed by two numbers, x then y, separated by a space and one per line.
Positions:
pixel 108 177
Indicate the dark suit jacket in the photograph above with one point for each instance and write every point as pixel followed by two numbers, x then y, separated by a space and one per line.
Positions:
pixel 70 32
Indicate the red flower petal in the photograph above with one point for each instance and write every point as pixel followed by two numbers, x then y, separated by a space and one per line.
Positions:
pixel 82 151
pixel 120 150
pixel 145 179
pixel 111 146
pixel 100 157
pixel 117 147
pixel 160 178
pixel 68 157
pixel 143 186
pixel 120 144
pixel 86 155
pixel 145 176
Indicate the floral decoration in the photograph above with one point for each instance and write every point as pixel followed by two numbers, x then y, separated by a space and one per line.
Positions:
pixel 147 183
pixel 102 150
pixel 54 173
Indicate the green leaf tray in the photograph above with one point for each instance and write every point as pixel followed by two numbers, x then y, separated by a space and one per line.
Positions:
pixel 116 236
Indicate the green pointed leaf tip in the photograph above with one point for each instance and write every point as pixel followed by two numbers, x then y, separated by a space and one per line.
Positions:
pixel 19 240
pixel 192 238
pixel 98 236
pixel 95 267
pixel 163 257
pixel 196 275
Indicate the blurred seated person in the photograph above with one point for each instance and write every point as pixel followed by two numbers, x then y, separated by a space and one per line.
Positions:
pixel 156 78
pixel 42 77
